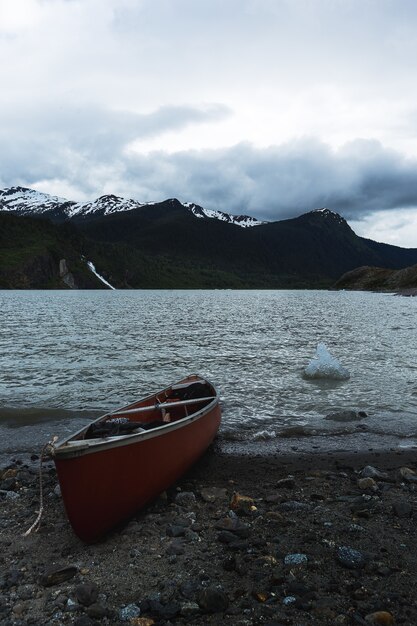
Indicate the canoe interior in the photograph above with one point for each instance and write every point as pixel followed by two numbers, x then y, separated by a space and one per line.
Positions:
pixel 198 394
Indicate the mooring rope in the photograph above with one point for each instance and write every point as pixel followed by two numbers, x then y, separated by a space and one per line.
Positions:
pixel 48 448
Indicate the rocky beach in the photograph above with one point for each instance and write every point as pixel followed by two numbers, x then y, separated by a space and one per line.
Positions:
pixel 300 539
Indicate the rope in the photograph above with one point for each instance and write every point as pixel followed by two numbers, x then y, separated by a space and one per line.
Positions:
pixel 47 449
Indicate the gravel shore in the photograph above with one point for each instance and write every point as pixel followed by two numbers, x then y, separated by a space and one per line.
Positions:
pixel 281 540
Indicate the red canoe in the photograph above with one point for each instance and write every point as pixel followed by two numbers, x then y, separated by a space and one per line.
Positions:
pixel 107 471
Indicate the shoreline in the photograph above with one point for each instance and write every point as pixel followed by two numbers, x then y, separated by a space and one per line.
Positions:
pixel 351 448
pixel 282 538
pixel 357 444
pixel 303 458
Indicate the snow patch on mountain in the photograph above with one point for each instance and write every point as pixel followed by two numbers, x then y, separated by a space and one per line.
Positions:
pixel 105 205
pixel 245 221
pixel 328 213
pixel 26 201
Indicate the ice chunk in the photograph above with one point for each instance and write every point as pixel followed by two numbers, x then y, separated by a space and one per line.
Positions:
pixel 324 365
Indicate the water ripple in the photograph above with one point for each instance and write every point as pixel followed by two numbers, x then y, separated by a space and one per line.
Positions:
pixel 94 350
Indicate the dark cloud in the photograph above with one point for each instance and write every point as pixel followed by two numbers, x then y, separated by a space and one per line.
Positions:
pixel 283 181
pixel 97 130
pixel 86 149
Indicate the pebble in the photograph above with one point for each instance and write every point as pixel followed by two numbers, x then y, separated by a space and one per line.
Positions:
pixel 367 483
pixel 160 611
pixel 355 528
pixel 19 609
pixel 97 610
pixel 226 536
pixel 402 508
pixel 174 530
pixel 9 495
pixel 71 605
pixel 289 600
pixel 129 612
pixel 242 503
pixel 57 575
pixel 235 525
pixel 382 618
pixel 86 593
pixel 9 473
pixel 189 589
pixel 408 474
pixel 286 483
pixel 372 472
pixel 350 558
pixel 295 559
pixel 260 596
pixel 190 535
pixel 213 600
pixel 185 498
pixel 188 609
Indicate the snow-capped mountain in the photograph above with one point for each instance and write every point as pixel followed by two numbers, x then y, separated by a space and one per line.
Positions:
pixel 244 221
pixel 104 205
pixel 24 201
pixel 329 214
pixel 169 245
pixel 29 201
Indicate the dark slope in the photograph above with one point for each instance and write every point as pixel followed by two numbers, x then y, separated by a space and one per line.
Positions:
pixel 31 251
pixel 380 279
pixel 165 245
pixel 312 250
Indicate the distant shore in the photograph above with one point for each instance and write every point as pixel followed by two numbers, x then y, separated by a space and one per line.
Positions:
pixel 407 292
pixel 323 538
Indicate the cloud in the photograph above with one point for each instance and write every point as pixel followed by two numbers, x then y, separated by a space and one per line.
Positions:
pixel 87 152
pixel 398 228
pixel 283 181
pixel 65 142
pixel 105 96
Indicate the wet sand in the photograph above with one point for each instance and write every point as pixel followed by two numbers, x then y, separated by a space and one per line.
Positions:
pixel 316 539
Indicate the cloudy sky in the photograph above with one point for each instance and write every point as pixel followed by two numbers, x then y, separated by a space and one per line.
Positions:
pixel 264 107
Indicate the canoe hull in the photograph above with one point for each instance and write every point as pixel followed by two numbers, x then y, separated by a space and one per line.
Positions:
pixel 102 488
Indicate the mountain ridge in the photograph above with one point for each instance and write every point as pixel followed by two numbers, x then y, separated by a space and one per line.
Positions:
pixel 26 201
pixel 171 244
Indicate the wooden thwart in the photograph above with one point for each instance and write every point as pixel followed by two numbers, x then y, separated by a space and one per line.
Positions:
pixel 162 405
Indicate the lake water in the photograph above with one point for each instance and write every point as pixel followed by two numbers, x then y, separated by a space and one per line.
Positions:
pixel 67 356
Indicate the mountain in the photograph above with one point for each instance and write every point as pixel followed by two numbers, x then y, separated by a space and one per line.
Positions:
pixel 174 245
pixel 24 201
pixel 36 253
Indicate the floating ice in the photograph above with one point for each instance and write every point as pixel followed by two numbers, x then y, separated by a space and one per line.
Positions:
pixel 324 365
